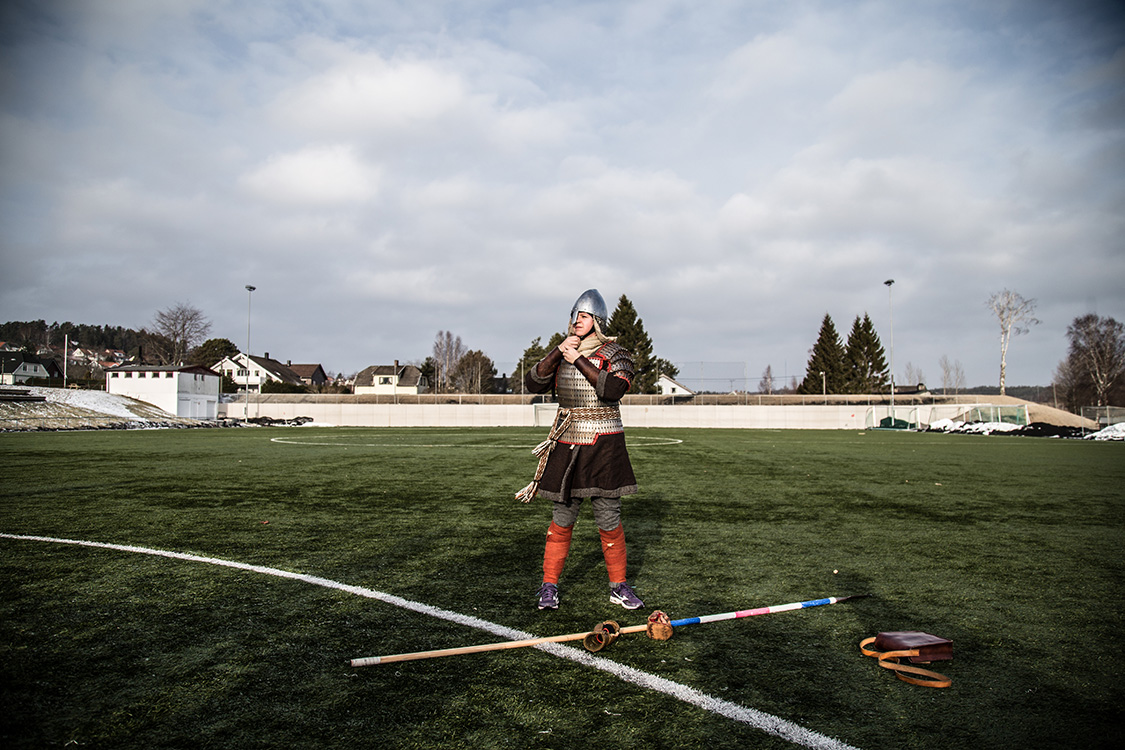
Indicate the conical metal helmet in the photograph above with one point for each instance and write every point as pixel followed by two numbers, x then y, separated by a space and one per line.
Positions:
pixel 589 302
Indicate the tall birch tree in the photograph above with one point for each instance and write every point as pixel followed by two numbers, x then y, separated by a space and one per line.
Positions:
pixel 1014 313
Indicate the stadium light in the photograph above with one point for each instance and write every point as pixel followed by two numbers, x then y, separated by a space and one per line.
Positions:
pixel 824 388
pixel 890 304
pixel 246 402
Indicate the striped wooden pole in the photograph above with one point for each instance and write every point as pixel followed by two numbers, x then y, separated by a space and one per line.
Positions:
pixel 372 660
pixel 764 610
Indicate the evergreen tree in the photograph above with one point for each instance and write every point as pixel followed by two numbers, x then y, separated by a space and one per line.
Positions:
pixel 864 358
pixel 630 332
pixel 211 352
pixel 531 356
pixel 664 367
pixel 827 357
pixel 428 370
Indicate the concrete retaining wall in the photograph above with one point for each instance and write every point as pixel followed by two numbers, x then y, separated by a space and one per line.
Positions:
pixel 830 417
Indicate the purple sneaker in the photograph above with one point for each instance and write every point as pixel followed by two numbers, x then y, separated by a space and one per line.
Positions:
pixel 548 596
pixel 624 595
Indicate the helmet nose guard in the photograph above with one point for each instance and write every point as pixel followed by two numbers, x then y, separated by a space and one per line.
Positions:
pixel 589 302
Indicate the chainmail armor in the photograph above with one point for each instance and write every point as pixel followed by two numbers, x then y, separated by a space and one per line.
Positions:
pixel 590 415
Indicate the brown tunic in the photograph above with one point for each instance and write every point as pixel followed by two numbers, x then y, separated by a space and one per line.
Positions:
pixel 579 467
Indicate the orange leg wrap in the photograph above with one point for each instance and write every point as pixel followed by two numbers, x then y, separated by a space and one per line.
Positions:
pixel 555 551
pixel 613 548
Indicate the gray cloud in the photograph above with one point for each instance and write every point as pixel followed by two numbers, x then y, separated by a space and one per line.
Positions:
pixel 737 170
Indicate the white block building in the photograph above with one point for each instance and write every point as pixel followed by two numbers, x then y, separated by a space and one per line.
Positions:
pixel 191 392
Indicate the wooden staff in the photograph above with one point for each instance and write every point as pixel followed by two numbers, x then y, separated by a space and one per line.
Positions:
pixel 370 660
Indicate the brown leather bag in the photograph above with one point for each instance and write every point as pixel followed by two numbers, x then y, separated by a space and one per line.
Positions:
pixel 914 646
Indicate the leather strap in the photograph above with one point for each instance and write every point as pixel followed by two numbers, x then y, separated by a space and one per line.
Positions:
pixel 889 660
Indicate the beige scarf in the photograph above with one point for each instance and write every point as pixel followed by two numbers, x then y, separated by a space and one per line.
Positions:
pixel 594 340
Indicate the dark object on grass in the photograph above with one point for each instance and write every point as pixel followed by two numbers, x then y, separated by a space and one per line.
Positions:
pixel 917 647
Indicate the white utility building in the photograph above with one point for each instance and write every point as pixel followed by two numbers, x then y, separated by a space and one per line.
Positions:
pixel 191 391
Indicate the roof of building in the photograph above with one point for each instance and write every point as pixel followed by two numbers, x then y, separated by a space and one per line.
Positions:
pixel 278 370
pixel 308 371
pixel 195 369
pixel 19 357
pixel 676 383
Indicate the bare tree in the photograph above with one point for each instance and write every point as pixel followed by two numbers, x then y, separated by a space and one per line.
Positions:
pixel 1015 316
pixel 447 353
pixel 1071 385
pixel 1097 352
pixel 765 385
pixel 914 375
pixel 183 326
pixel 952 375
pixel 474 373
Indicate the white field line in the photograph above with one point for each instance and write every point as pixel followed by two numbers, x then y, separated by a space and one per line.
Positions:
pixel 768 723
pixel 633 442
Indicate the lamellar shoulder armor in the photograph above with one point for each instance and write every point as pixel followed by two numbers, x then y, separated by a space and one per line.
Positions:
pixel 590 416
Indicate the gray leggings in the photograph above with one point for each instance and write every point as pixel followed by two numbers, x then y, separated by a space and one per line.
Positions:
pixel 607 512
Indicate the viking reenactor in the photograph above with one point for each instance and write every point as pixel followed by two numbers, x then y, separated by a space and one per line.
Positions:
pixel 584 456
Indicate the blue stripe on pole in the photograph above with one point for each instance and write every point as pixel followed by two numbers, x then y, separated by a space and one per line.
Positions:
pixel 762 611
pixel 817 602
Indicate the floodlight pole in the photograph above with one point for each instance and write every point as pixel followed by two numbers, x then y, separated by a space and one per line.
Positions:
pixel 890 304
pixel 246 403
pixel 824 388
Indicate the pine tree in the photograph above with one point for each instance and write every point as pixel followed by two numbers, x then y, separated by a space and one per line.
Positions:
pixel 864 359
pixel 530 358
pixel 828 358
pixel 630 333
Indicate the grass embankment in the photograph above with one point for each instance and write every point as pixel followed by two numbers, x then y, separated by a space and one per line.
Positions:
pixel 1010 547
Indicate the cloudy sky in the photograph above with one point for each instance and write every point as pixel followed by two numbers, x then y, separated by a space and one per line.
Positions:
pixel 382 170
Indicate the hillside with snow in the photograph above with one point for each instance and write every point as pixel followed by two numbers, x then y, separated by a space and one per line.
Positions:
pixel 70 409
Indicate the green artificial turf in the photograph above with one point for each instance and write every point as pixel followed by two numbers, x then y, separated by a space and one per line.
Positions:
pixel 1011 547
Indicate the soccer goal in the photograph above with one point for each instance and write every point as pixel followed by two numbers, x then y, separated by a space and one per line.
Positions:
pixel 545 414
pixel 1008 414
pixel 892 418
pixel 1104 415
pixel 1015 414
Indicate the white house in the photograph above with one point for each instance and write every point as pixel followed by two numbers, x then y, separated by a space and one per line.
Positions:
pixel 191 391
pixel 390 380
pixel 669 387
pixel 248 373
pixel 17 367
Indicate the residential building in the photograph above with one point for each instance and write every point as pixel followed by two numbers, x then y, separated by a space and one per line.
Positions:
pixel 249 373
pixel 388 380
pixel 310 375
pixel 669 387
pixel 19 367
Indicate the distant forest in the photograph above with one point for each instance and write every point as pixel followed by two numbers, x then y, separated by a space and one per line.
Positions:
pixel 39 333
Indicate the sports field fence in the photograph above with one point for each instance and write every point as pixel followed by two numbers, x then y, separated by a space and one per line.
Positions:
pixel 1104 415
